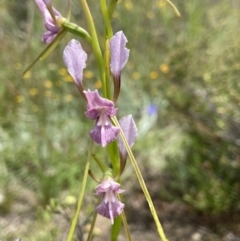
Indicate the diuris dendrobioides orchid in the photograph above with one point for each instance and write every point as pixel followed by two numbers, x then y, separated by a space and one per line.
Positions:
pixel 110 206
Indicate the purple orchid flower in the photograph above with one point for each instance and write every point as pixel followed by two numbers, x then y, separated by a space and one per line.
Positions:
pixel 101 109
pixel 50 25
pixel 110 207
pixel 119 57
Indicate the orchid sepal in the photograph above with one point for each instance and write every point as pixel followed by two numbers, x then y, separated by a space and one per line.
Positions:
pixel 75 60
pixel 119 57
pixel 129 129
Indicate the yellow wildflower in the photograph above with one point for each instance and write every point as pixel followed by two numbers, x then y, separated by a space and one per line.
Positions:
pixel 128 5
pixel 98 84
pixel 33 91
pixel 164 68
pixel 68 98
pixel 62 71
pixel 68 78
pixel 88 74
pixel 136 75
pixel 162 3
pixel 48 84
pixel 153 75
pixel 19 98
pixel 27 75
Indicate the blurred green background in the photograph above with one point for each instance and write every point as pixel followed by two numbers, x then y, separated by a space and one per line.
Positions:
pixel 181 84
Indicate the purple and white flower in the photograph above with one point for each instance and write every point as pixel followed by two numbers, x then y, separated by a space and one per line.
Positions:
pixel 110 207
pixel 50 25
pixel 100 110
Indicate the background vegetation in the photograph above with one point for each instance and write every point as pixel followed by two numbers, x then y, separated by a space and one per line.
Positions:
pixel 181 84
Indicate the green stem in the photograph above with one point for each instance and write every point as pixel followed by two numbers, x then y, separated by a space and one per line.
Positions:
pixel 142 183
pixel 106 18
pixel 125 224
pixel 82 191
pixel 90 173
pixel 112 147
pixel 75 29
pixel 95 45
pixel 89 238
pixel 50 10
pixel 111 8
pixel 113 154
pixel 108 35
pixel 107 67
pixel 69 10
pixel 174 8
pixel 99 162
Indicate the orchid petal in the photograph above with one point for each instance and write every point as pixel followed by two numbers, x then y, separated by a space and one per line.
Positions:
pixel 105 186
pixel 48 37
pixel 42 5
pixel 110 210
pixel 119 53
pixel 75 60
pixel 108 185
pixel 96 101
pixel 103 135
pixel 129 129
pixel 119 57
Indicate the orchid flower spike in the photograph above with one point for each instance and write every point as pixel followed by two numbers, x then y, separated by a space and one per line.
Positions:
pixel 110 207
pixel 51 15
pixel 119 57
pixel 100 110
